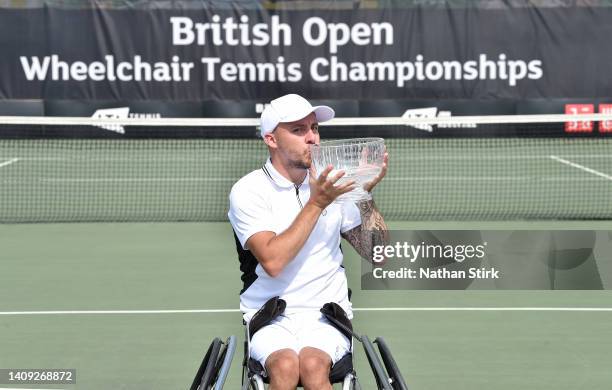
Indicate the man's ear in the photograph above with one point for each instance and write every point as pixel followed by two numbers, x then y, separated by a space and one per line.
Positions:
pixel 270 140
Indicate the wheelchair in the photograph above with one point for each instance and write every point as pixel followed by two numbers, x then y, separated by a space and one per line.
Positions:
pixel 215 365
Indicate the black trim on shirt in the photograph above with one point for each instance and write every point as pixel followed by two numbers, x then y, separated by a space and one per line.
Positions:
pixel 267 173
pixel 297 194
pixel 248 263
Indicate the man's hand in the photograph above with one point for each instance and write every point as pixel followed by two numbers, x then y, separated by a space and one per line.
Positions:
pixel 323 190
pixel 370 185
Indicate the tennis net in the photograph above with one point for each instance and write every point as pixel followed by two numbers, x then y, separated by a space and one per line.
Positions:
pixel 56 169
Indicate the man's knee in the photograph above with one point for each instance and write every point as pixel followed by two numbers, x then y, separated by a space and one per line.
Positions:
pixel 283 366
pixel 314 365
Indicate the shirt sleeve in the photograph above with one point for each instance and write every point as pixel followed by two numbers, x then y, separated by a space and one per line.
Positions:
pixel 248 213
pixel 351 217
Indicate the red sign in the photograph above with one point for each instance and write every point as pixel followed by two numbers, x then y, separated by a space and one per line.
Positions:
pixel 605 126
pixel 579 126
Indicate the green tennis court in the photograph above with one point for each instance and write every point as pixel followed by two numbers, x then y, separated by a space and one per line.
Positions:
pixel 141 279
pixel 134 305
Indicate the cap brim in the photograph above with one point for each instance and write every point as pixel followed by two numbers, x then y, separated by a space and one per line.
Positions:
pixel 324 113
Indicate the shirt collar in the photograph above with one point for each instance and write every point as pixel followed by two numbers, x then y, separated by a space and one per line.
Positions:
pixel 277 178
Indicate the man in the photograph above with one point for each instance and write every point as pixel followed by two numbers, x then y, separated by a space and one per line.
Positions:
pixel 288 231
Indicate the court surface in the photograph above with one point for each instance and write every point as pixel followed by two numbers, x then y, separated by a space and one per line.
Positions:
pixel 133 306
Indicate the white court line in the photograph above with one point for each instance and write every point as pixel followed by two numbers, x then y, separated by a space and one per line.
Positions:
pixel 365 309
pixel 493 178
pixel 71 312
pixel 490 157
pixel 9 162
pixel 595 309
pixel 582 167
pixel 21 388
pixel 461 178
pixel 588 155
pixel 138 179
pixel 488 178
pixel 141 159
pixel 38 158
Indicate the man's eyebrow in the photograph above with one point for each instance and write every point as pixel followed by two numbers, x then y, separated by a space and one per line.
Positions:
pixel 294 125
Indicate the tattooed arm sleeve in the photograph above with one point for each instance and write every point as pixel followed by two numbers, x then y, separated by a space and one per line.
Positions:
pixel 372 231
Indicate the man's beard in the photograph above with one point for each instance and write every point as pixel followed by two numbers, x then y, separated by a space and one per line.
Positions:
pixel 303 163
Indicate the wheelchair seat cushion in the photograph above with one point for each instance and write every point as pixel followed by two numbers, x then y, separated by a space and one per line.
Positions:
pixel 266 314
pixel 336 315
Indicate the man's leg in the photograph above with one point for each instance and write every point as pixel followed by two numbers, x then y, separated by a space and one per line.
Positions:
pixel 283 369
pixel 314 369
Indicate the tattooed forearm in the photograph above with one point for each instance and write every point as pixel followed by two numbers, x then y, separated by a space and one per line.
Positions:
pixel 373 230
pixel 370 216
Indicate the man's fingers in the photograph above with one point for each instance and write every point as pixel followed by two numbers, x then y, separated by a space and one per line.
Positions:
pixel 385 163
pixel 346 187
pixel 326 171
pixel 337 175
pixel 383 172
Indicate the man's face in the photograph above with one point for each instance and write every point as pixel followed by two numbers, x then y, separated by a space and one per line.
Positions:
pixel 294 139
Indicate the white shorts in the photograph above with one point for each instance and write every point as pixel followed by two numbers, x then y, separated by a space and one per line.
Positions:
pixel 296 331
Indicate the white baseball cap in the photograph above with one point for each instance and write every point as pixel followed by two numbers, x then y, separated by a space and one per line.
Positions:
pixel 291 108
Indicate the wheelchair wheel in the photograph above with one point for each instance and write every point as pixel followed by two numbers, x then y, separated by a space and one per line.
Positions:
pixel 207 372
pixel 382 379
pixel 397 380
pixel 224 361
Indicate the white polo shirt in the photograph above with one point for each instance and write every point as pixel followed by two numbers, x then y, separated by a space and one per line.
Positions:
pixel 264 200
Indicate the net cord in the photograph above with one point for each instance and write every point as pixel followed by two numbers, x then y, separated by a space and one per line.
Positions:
pixel 347 121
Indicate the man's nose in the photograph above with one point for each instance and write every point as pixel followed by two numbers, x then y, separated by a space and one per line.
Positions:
pixel 311 137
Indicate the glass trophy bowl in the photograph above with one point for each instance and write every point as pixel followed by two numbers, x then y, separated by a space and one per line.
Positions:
pixel 360 158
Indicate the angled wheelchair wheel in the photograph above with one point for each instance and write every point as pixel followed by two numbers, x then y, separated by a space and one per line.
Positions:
pixel 206 373
pixel 397 380
pixel 223 363
pixel 382 380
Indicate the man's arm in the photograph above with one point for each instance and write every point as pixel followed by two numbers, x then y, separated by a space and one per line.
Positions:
pixel 372 231
pixel 273 251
